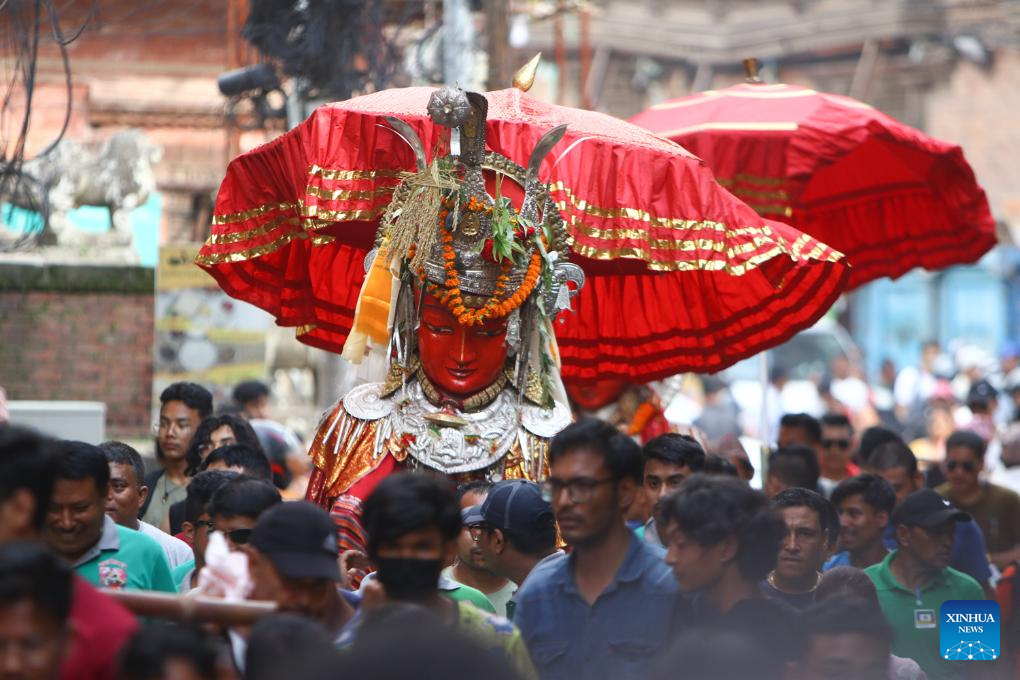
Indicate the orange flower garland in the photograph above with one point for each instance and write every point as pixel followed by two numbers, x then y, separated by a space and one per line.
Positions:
pixel 642 416
pixel 495 307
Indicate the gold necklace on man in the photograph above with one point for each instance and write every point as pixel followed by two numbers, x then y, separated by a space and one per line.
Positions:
pixel 771 579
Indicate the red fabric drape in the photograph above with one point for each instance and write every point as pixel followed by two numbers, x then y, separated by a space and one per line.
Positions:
pixel 681 275
pixel 888 196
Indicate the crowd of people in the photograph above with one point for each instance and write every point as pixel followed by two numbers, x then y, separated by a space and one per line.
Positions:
pixel 627 561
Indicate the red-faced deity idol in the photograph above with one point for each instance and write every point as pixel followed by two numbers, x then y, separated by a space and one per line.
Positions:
pixel 635 410
pixel 466 283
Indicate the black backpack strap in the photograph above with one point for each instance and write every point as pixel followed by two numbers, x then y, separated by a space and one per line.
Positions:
pixel 151 480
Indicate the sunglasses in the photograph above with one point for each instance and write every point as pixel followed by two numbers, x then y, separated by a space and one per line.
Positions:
pixel 238 536
pixel 836 443
pixel 966 465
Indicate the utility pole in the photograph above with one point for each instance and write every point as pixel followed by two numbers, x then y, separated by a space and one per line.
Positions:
pixel 585 15
pixel 561 52
pixel 497 28
pixel 458 43
pixel 233 135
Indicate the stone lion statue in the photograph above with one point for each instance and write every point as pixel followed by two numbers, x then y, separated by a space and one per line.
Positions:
pixel 119 176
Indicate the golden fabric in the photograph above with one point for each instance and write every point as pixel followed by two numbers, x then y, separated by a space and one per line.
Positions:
pixel 250 253
pixel 346 194
pixel 676 265
pixel 314 211
pixel 629 213
pixel 514 461
pixel 230 218
pixel 238 236
pixel 351 175
pixel 344 462
pixel 739 127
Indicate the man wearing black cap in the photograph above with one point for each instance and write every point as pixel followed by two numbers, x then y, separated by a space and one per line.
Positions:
pixel 915 580
pixel 517 530
pixel 292 558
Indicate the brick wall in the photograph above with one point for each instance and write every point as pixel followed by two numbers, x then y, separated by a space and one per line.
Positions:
pixel 79 332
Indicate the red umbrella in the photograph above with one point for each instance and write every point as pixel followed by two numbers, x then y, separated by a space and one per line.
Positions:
pixel 681 275
pixel 888 196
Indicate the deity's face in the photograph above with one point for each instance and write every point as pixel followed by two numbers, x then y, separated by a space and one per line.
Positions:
pixel 459 360
pixel 594 396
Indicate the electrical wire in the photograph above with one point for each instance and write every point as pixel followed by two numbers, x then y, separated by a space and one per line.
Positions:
pixel 20 38
pixel 337 47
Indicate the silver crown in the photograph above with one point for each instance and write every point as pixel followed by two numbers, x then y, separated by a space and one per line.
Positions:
pixel 465 113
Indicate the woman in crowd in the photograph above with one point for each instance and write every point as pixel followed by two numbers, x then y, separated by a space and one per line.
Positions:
pixel 216 431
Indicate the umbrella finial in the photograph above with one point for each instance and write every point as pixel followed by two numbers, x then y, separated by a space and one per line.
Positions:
pixel 751 65
pixel 525 77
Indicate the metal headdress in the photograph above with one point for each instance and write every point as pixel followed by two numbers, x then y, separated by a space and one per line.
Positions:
pixel 498 252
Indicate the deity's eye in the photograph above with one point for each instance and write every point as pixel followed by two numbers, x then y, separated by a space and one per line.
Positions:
pixel 490 332
pixel 437 329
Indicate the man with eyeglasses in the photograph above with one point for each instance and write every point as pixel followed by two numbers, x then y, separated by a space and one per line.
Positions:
pixel 607 609
pixel 996 509
pixel 914 580
pixel 183 406
pixel 834 452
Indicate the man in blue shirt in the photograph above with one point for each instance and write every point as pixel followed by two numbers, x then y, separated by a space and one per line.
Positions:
pixel 896 463
pixel 607 609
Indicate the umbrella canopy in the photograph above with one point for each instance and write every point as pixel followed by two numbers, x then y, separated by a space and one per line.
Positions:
pixel 681 275
pixel 888 196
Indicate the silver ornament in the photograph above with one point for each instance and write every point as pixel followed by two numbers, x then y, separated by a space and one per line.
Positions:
pixel 449 107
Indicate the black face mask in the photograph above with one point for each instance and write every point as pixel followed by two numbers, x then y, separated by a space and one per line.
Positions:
pixel 408 580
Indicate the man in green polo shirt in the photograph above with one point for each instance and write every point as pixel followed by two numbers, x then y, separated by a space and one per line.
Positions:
pixel 77 528
pixel 915 580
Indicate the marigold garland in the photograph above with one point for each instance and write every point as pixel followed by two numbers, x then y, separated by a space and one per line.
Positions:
pixel 642 416
pixel 496 307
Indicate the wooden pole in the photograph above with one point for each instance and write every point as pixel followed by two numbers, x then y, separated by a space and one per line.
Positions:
pixel 233 135
pixel 585 17
pixel 561 53
pixel 497 28
pixel 194 609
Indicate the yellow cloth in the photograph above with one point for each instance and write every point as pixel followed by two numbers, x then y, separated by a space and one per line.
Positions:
pixel 372 315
